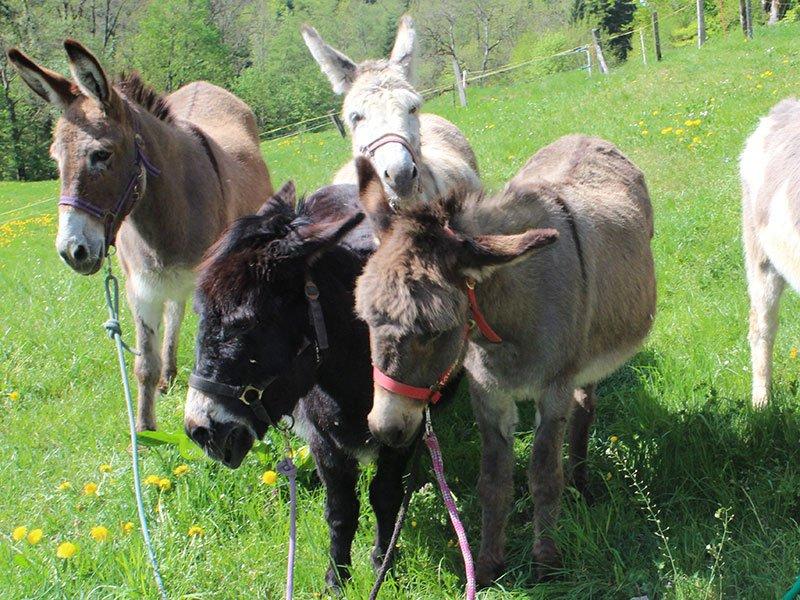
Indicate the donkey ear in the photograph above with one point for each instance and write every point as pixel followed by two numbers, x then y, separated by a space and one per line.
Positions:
pixel 404 52
pixel 52 87
pixel 340 70
pixel 87 72
pixel 285 196
pixel 320 237
pixel 483 254
pixel 373 197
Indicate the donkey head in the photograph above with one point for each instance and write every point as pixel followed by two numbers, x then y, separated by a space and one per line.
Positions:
pixel 381 108
pixel 254 326
pixel 412 296
pixel 93 144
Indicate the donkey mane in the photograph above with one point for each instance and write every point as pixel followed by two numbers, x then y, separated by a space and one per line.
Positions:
pixel 135 89
pixel 241 258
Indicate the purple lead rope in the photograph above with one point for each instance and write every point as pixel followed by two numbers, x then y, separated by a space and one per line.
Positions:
pixel 432 442
pixel 288 469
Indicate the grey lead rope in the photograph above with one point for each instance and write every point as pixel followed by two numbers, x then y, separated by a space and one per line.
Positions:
pixel 112 326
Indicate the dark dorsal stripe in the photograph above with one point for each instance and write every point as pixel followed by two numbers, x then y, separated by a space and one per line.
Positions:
pixel 198 133
pixel 574 229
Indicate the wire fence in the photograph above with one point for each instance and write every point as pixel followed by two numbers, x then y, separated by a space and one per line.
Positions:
pixel 329 119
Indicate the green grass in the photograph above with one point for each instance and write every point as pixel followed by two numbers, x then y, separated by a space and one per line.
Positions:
pixel 680 409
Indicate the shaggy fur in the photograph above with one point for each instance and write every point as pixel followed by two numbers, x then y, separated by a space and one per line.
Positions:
pixel 253 318
pixel 770 216
pixel 569 314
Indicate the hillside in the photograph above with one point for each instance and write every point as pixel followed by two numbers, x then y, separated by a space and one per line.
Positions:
pixel 723 479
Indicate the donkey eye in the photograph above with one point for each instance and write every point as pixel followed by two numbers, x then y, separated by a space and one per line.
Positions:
pixel 413 110
pixel 100 156
pixel 356 117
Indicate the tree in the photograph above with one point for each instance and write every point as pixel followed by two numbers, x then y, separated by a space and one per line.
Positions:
pixel 177 42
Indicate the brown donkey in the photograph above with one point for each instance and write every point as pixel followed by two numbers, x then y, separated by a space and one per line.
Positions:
pixel 159 176
pixel 566 315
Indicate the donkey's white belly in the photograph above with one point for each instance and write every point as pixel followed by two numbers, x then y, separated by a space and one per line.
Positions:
pixel 160 286
pixel 780 238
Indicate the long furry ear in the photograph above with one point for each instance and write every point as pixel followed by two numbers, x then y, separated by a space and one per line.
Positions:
pixel 284 197
pixel 373 197
pixel 340 70
pixel 483 254
pixel 88 74
pixel 49 85
pixel 404 51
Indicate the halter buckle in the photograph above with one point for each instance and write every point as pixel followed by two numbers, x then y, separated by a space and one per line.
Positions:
pixel 251 388
pixel 470 283
pixel 312 291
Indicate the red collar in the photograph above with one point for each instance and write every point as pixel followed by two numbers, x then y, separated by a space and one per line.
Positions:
pixel 433 393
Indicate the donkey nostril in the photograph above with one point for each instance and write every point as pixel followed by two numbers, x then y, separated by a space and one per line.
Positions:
pixel 414 172
pixel 201 435
pixel 80 253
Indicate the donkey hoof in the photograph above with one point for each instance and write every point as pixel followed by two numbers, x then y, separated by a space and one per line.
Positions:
pixel 487 571
pixel 335 578
pixel 145 425
pixel 547 560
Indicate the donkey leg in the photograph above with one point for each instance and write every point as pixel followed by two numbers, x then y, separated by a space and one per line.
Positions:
pixel 339 474
pixel 147 313
pixel 546 475
pixel 386 495
pixel 497 421
pixel 764 285
pixel 173 316
pixel 580 425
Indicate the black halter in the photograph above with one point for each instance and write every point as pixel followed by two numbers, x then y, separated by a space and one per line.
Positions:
pixel 251 395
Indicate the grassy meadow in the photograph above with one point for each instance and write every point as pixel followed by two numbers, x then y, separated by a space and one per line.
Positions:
pixel 694 495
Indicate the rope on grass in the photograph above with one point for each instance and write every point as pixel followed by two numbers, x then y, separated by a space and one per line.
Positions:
pixel 114 330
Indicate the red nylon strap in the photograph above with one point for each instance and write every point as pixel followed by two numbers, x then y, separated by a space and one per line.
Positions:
pixel 409 391
pixel 483 325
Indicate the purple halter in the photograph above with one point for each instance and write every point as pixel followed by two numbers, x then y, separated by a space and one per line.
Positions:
pixel 112 217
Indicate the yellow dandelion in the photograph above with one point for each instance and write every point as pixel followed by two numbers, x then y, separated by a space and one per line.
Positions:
pixel 127 527
pixel 66 550
pixel 679 132
pixel 195 531
pixel 303 453
pixel 64 486
pixel 152 480
pixel 767 73
pixel 35 536
pixel 19 533
pixel 104 468
pixel 164 484
pixel 656 113
pixel 608 476
pixel 793 353
pixel 759 86
pixel 613 439
pixel 269 477
pixel 99 533
pixel 697 139
pixel 641 123
pixel 90 489
pixel 666 130
pixel 180 470
pixel 645 132
pixel 14 395
pixel 413 523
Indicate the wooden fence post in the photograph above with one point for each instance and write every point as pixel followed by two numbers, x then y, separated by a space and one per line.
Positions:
pixel 601 60
pixel 748 17
pixel 462 96
pixel 588 59
pixel 656 36
pixel 644 49
pixel 339 125
pixel 701 24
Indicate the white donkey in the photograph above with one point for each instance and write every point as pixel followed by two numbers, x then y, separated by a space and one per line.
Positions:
pixel 770 215
pixel 418 157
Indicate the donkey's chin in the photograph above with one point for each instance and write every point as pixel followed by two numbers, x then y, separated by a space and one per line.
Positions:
pixel 89 267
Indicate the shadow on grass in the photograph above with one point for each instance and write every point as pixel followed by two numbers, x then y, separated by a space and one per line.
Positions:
pixel 689 463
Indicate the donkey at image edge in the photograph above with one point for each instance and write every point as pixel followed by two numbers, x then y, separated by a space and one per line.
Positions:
pixel 155 176
pixel 567 314
pixel 256 335
pixel 418 157
pixel 770 214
